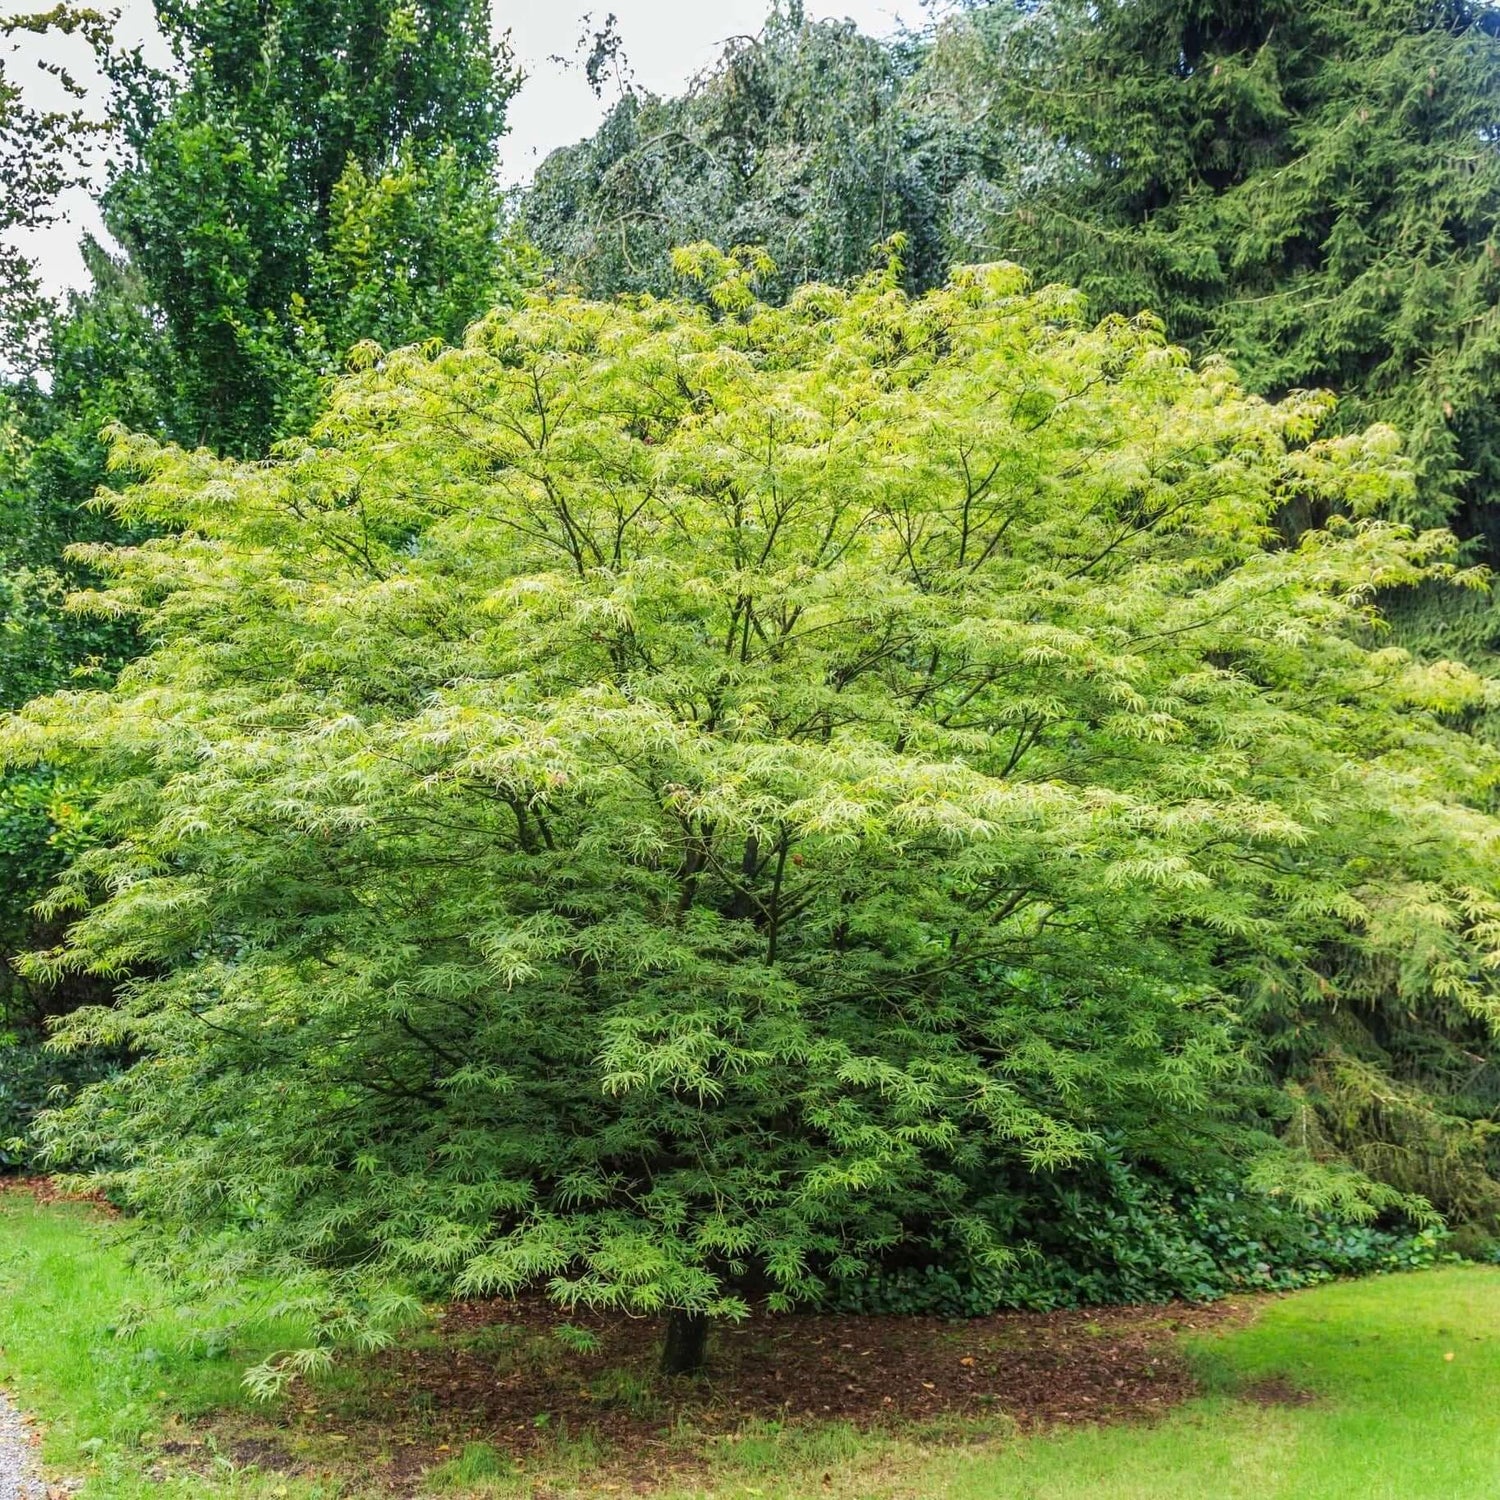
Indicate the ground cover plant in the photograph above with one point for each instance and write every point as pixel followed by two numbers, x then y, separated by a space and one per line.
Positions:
pixel 669 802
pixel 1346 1390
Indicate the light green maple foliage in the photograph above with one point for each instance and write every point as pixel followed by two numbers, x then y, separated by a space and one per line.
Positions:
pixel 661 800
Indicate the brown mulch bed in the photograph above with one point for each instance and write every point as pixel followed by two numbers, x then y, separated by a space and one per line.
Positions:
pixel 1040 1368
pixel 498 1374
pixel 46 1190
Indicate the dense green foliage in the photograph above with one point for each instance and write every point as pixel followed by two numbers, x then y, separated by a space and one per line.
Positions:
pixel 42 152
pixel 1107 1233
pixel 669 803
pixel 282 198
pixel 34 1077
pixel 1309 189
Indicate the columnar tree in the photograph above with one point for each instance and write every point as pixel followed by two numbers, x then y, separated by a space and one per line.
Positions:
pixel 663 802
pixel 262 180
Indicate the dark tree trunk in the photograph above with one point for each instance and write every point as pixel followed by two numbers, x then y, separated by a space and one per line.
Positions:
pixel 684 1350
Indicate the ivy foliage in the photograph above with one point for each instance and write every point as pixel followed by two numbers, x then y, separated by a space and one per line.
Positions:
pixel 1108 1232
pixel 667 801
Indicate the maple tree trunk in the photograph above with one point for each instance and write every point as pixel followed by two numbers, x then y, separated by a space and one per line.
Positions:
pixel 685 1348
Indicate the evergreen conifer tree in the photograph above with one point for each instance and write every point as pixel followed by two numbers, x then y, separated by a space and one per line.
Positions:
pixel 1311 189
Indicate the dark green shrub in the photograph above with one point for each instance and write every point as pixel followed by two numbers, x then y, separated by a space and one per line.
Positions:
pixel 32 1077
pixel 1474 1242
pixel 1115 1232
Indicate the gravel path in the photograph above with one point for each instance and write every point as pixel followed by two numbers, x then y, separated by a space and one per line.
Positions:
pixel 18 1476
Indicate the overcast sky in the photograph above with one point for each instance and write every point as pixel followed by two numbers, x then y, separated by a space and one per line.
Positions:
pixel 666 42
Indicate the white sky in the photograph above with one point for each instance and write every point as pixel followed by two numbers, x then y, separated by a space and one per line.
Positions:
pixel 666 43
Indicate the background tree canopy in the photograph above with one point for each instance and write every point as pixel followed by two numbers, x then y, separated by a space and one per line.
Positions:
pixel 256 186
pixel 799 141
pixel 669 802
pixel 1310 189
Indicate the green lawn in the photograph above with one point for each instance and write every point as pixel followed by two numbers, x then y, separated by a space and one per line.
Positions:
pixel 110 1382
pixel 1393 1417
